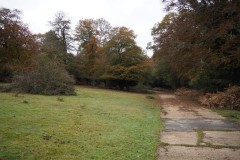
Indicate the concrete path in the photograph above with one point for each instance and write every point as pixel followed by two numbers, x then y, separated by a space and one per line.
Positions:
pixel 194 132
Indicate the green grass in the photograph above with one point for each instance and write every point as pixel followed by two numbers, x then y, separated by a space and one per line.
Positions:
pixel 95 124
pixel 230 114
pixel 200 136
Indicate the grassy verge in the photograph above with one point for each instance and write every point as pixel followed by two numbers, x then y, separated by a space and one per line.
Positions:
pixel 200 136
pixel 95 124
pixel 231 114
pixel 4 87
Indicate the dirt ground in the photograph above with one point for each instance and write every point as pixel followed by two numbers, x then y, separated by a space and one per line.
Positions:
pixel 195 132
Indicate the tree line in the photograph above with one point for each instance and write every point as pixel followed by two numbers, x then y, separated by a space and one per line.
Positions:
pixel 197 45
pixel 106 55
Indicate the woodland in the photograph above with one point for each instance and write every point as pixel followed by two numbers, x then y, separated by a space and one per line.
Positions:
pixel 196 45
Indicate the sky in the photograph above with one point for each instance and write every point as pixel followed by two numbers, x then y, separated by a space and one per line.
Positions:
pixel 138 15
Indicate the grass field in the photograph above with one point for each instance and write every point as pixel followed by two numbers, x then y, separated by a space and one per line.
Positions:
pixel 95 124
pixel 230 114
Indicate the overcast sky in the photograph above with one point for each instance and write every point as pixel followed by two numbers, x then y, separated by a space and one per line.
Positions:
pixel 139 15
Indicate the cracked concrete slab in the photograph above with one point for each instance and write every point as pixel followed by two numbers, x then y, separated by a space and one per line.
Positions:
pixel 197 153
pixel 181 112
pixel 204 124
pixel 179 138
pixel 222 138
pixel 176 108
pixel 182 117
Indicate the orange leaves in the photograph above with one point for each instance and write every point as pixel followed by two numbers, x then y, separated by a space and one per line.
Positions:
pixel 17 44
pixel 229 99
pixel 201 41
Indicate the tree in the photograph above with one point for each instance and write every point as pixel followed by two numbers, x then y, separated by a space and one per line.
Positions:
pixel 103 29
pixel 61 26
pixel 92 35
pixel 17 44
pixel 108 54
pixel 75 67
pixel 200 42
pixel 51 44
pixel 124 59
pixel 89 29
pixel 173 49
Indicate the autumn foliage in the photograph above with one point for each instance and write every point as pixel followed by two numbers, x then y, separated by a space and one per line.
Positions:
pixel 229 99
pixel 198 46
pixel 106 55
pixel 17 44
pixel 47 77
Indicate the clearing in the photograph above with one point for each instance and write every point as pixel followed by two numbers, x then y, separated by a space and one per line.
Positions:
pixel 95 124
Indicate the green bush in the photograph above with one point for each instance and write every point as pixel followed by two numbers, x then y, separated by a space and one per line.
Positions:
pixel 5 87
pixel 140 88
pixel 48 77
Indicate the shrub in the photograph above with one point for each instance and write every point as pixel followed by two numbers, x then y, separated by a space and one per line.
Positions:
pixel 188 92
pixel 5 87
pixel 48 77
pixel 140 88
pixel 229 99
pixel 150 97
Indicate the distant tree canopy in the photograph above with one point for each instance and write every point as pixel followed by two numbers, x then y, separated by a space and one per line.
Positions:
pixel 91 36
pixel 198 45
pixel 52 45
pixel 105 55
pixel 124 59
pixel 17 44
pixel 61 27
